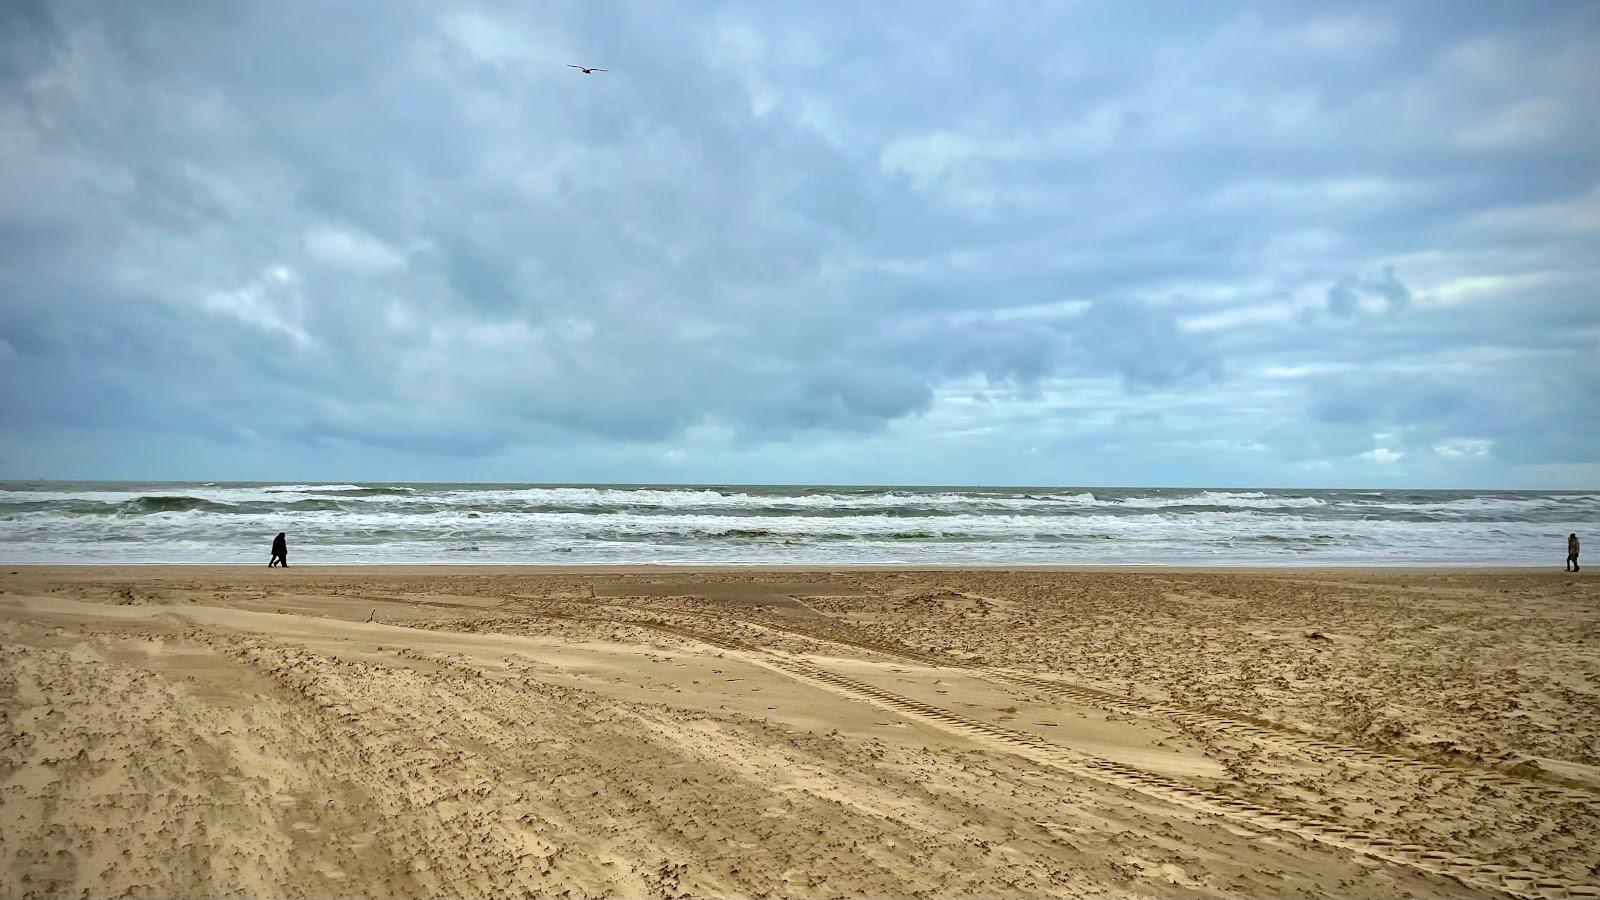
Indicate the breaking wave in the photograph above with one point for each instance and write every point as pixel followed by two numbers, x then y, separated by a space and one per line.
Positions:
pixel 386 522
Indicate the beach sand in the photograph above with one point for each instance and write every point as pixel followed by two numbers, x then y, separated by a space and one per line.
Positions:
pixel 198 731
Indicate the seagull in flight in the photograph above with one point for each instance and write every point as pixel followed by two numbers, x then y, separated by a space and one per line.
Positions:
pixel 585 70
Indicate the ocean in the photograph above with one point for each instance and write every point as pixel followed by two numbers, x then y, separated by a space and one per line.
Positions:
pixel 194 522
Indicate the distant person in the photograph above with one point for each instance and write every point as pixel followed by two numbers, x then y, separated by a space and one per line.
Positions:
pixel 280 551
pixel 1572 553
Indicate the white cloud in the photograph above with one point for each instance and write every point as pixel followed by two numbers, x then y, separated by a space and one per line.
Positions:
pixel 1304 370
pixel 1370 193
pixel 487 39
pixel 1527 123
pixel 1479 287
pixel 927 157
pixel 1341 36
pixel 1458 448
pixel 270 302
pixel 1239 316
pixel 1383 456
pixel 1578 215
pixel 350 249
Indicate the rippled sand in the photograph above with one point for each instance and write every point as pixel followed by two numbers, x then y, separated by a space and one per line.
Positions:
pixel 638 732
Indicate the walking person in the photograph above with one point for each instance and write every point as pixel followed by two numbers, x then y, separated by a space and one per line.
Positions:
pixel 1572 553
pixel 280 552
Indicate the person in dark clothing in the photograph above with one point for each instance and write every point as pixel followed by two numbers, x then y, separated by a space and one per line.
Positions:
pixel 1572 553
pixel 280 552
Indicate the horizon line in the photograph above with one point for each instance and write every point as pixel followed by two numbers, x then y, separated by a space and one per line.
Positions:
pixel 781 484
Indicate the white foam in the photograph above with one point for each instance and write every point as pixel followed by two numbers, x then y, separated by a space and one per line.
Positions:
pixel 619 524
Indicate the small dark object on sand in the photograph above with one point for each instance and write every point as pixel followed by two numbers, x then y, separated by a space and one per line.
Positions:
pixel 1318 636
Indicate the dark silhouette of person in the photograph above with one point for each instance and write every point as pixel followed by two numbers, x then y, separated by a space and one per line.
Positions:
pixel 1572 553
pixel 280 552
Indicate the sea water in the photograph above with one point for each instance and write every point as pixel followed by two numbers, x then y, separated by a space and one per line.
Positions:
pixel 194 522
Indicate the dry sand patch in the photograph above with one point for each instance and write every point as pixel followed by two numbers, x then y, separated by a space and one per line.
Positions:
pixel 506 731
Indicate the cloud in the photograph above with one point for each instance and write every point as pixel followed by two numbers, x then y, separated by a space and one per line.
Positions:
pixel 351 250
pixel 1374 294
pixel 1144 345
pixel 270 302
pixel 835 241
pixel 1459 448
pixel 1527 122
pixel 1383 456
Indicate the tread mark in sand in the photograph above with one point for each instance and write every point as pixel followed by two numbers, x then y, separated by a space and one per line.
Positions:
pixel 1521 883
pixel 1465 869
pixel 1196 719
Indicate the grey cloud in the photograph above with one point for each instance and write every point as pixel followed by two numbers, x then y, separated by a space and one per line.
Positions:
pixel 1133 341
pixel 1527 417
pixel 1346 294
pixel 794 226
pixel 1343 298
pixel 1144 345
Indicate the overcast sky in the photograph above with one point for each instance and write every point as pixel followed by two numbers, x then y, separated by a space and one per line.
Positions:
pixel 1055 243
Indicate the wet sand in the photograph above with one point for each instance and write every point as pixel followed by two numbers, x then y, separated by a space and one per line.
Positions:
pixel 667 732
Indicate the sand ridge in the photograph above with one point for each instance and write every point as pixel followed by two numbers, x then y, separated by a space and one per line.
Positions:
pixel 433 731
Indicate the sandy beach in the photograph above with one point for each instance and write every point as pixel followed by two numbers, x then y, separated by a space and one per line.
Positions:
pixel 669 732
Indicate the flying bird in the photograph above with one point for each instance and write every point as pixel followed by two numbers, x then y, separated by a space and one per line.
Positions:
pixel 585 70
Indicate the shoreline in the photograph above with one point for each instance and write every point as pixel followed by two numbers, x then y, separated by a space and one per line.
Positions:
pixel 759 568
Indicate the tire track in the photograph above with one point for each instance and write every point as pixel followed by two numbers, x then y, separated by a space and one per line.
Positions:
pixel 1278 734
pixel 1522 883
pixel 1281 735
pixel 1299 740
pixel 1467 870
